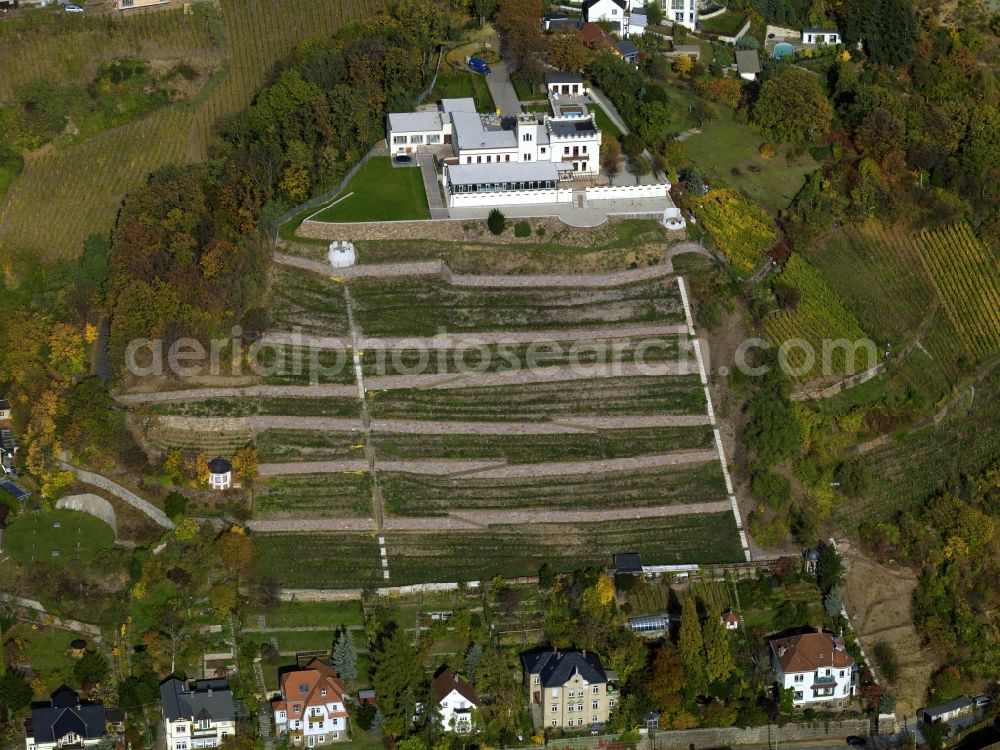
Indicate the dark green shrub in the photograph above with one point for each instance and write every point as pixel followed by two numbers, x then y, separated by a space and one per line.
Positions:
pixel 522 229
pixel 496 221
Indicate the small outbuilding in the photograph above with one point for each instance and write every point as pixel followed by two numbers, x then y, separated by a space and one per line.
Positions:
pixel 627 563
pixel 628 51
pixel 948 711
pixel 563 84
pixel 220 474
pixel 731 620
pixel 820 35
pixel 748 64
pixel 648 625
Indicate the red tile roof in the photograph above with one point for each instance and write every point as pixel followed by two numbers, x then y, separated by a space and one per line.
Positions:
pixel 304 688
pixel 811 651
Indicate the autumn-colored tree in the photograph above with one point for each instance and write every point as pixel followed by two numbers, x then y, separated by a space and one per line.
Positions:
pixel 792 107
pixel 611 156
pixel 719 664
pixel 236 552
pixel 666 680
pixel 726 91
pixel 566 51
pixel 683 64
pixel 196 469
pixel 222 598
pixel 245 464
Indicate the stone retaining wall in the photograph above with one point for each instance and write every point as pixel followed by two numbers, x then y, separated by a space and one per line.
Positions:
pixel 88 477
pixel 93 505
pixel 453 230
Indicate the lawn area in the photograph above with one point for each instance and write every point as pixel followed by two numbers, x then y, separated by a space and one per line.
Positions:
pixel 726 152
pixel 380 192
pixel 521 550
pixel 604 123
pixel 682 394
pixel 321 560
pixel 792 604
pixel 423 495
pixel 316 495
pixel 458 84
pixel 57 537
pixel 48 651
pixel 425 306
pixel 726 24
pixel 306 614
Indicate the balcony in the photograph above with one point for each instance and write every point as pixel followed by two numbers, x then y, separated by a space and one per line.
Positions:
pixel 824 681
pixel 210 732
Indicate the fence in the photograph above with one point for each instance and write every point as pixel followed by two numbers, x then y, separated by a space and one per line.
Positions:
pixel 326 197
pixel 769 734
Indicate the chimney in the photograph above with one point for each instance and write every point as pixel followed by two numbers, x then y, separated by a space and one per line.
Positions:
pixel 209 691
pixel 454 676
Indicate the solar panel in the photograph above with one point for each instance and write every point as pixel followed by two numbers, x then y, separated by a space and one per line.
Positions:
pixel 12 489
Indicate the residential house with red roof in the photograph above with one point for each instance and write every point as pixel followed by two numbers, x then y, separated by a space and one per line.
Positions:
pixel 817 666
pixel 456 700
pixel 312 709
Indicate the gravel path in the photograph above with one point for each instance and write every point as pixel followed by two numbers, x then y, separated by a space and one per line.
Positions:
pixel 202 394
pixel 562 426
pixel 311 467
pixel 479 519
pixel 473 339
pixel 486 281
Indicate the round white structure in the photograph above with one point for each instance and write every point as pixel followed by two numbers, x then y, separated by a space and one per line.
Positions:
pixel 341 254
pixel 675 223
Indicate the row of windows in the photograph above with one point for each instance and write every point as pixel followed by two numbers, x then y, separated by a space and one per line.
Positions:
pixel 596 690
pixel 504 187
pixel 579 722
pixel 400 140
pixel 802 677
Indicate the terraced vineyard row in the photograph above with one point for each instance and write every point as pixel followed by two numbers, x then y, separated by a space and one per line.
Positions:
pixel 259 33
pixel 968 283
pixel 64 48
pixel 81 186
pixel 819 319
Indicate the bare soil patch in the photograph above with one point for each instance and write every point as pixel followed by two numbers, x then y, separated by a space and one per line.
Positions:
pixel 878 599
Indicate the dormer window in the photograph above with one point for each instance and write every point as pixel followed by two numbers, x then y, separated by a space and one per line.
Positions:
pixel 303 688
pixel 322 691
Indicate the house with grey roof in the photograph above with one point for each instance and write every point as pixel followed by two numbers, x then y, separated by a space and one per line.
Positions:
pixel 198 715
pixel 748 64
pixel 65 722
pixel 567 689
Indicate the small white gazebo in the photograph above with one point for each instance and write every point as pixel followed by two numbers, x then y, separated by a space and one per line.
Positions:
pixel 220 474
pixel 341 254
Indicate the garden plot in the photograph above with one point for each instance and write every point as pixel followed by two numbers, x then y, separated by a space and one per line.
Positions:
pixel 305 301
pixel 427 306
pixel 333 494
pixel 428 495
pixel 281 365
pixel 503 357
pixel 521 550
pixel 309 445
pixel 682 394
pixel 602 444
pixel 320 560
pixel 293 406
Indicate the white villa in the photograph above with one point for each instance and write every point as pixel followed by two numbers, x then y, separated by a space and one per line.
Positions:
pixel 198 716
pixel 816 666
pixel 818 35
pixel 684 12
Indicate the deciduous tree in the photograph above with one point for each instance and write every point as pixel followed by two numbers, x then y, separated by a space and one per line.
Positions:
pixel 691 645
pixel 792 107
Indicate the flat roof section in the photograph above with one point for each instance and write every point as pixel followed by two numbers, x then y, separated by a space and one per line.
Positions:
pixel 527 171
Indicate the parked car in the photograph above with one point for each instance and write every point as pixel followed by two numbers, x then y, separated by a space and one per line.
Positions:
pixel 982 701
pixel 74 9
pixel 856 741
pixel 478 65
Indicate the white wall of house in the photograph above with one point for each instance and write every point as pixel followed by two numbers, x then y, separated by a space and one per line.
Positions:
pixel 824 684
pixel 187 734
pixel 456 712
pixel 511 198
pixel 607 10
pixel 408 143
pixel 684 12
pixel 823 37
pixel 319 727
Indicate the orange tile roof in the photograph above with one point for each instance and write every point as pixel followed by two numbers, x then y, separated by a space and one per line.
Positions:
pixel 303 688
pixel 811 651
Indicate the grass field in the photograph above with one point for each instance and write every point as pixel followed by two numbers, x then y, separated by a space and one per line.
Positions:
pixel 425 306
pixel 422 495
pixel 316 495
pixel 539 448
pixel 380 192
pixel 521 550
pixel 459 84
pixel 501 357
pixel 308 445
pixel 726 24
pixel 48 651
pixel 542 401
pixel 307 614
pixel 322 560
pixel 603 122
pixel 726 154
pixel 308 302
pixel 75 536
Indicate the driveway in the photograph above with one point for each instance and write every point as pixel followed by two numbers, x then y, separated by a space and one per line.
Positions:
pixel 502 90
